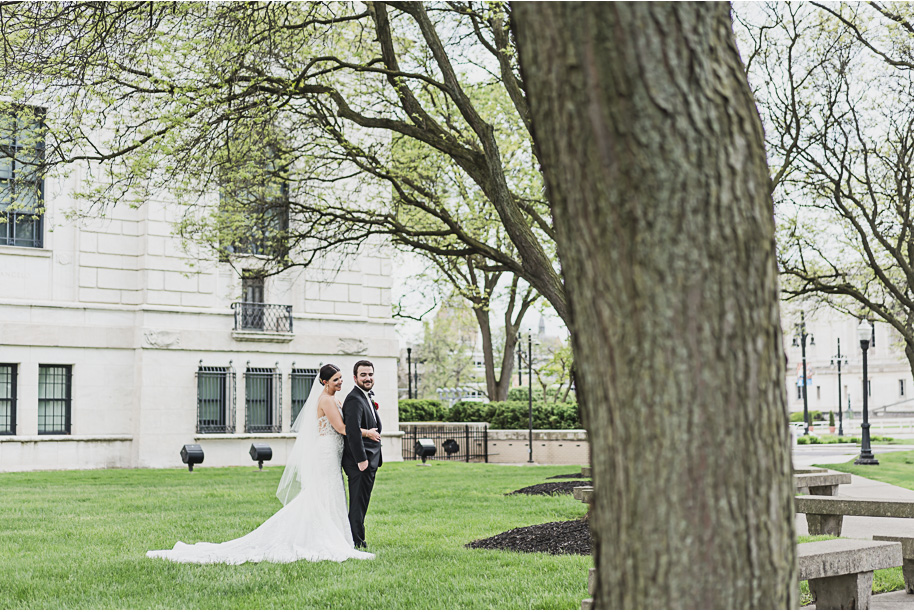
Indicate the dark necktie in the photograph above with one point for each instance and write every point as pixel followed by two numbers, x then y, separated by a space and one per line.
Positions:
pixel 370 395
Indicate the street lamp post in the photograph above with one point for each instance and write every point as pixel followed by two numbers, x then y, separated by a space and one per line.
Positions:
pixel 530 390
pixel 837 360
pixel 800 338
pixel 864 333
pixel 409 373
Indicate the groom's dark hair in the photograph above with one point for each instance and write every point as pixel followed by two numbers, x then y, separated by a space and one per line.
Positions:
pixel 359 364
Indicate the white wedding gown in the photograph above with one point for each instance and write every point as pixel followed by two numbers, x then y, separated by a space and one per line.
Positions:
pixel 313 526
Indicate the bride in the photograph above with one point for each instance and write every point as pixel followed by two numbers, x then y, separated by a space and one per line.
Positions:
pixel 312 524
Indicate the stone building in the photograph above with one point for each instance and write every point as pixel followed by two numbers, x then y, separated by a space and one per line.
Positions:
pixel 117 347
pixel 828 331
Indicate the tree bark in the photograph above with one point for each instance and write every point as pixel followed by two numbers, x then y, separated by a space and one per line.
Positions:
pixel 655 166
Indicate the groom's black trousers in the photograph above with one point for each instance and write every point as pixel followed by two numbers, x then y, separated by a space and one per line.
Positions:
pixel 360 486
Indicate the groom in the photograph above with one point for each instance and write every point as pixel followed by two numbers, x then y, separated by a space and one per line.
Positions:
pixel 361 455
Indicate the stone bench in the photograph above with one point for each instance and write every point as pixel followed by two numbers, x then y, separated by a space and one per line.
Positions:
pixel 907 554
pixel 584 494
pixel 587 604
pixel 820 483
pixel 809 470
pixel 840 572
pixel 825 514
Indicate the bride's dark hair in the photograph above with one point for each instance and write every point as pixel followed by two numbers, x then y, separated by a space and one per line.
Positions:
pixel 327 372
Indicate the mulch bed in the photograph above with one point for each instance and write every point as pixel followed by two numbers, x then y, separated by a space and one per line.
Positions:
pixel 578 475
pixel 561 538
pixel 552 488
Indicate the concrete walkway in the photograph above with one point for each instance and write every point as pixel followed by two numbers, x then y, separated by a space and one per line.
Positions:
pixel 863 527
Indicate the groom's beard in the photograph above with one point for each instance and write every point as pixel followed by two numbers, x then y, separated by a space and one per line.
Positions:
pixel 363 387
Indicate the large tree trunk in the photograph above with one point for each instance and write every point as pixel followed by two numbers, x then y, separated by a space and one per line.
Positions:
pixel 655 165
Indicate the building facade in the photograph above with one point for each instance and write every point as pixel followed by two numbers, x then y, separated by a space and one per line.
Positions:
pixel 117 347
pixel 889 375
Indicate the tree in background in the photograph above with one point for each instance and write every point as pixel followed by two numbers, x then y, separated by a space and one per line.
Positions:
pixel 836 89
pixel 654 160
pixel 554 369
pixel 488 296
pixel 310 127
pixel 446 353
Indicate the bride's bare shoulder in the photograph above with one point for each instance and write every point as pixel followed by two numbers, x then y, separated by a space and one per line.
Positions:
pixel 323 401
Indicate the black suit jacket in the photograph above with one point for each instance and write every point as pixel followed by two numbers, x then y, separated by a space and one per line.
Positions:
pixel 358 414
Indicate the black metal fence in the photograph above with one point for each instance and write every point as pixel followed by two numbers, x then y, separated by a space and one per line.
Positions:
pixel 256 316
pixel 467 442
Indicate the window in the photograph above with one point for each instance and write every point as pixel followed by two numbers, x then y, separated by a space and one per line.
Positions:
pixel 818 393
pixel 869 388
pixel 901 387
pixel 215 399
pixel 252 308
pixel 302 381
pixel 262 397
pixel 799 392
pixel 7 399
pixel 21 183
pixel 257 209
pixel 54 387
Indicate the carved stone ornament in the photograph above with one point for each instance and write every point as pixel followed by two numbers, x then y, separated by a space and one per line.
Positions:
pixel 352 346
pixel 161 339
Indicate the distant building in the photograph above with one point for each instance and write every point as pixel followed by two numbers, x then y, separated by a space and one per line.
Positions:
pixel 890 379
pixel 116 348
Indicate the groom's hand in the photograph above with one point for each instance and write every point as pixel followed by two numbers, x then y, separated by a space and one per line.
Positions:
pixel 363 465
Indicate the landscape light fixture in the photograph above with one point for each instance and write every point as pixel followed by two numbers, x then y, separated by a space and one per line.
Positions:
pixel 450 446
pixel 191 454
pixel 261 452
pixel 425 448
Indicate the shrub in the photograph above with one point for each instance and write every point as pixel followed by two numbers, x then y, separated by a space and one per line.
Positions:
pixel 814 415
pixel 519 394
pixel 422 410
pixel 803 440
pixel 516 415
pixel 831 418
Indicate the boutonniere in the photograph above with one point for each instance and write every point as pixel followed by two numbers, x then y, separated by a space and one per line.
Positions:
pixel 375 404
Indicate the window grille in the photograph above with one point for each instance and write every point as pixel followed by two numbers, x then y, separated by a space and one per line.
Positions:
pixel 54 399
pixel 21 182
pixel 8 399
pixel 302 381
pixel 263 398
pixel 215 399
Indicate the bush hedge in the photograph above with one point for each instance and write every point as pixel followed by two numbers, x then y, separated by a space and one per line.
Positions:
pixel 422 410
pixel 499 415
pixel 814 415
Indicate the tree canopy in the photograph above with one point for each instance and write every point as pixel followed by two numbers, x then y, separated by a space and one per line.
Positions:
pixel 293 129
pixel 836 89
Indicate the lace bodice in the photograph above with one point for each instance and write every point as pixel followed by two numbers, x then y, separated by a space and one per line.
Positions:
pixel 324 428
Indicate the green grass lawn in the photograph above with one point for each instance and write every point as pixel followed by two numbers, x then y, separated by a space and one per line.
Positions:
pixel 895 468
pixel 78 540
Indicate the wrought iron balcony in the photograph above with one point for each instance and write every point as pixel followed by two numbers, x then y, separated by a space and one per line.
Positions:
pixel 255 316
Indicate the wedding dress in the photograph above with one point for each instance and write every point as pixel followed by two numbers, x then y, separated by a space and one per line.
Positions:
pixel 312 525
